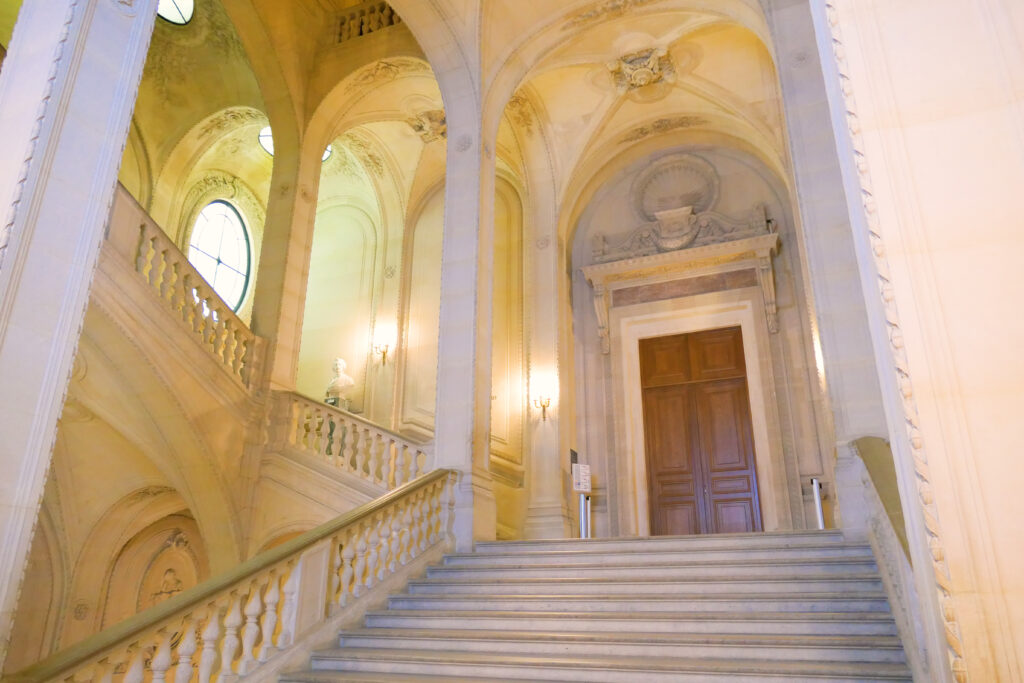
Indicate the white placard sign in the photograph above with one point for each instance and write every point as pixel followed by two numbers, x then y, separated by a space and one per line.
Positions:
pixel 581 478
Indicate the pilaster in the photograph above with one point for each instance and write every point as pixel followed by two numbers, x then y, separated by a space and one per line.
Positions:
pixel 67 91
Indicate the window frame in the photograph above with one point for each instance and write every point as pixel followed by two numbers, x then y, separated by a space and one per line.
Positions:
pixel 248 251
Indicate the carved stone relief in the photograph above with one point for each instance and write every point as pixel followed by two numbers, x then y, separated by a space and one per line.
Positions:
pixel 387 70
pixel 430 125
pixel 520 112
pixel 663 126
pixel 642 68
pixel 609 9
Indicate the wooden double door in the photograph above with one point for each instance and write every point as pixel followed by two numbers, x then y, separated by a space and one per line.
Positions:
pixel 699 442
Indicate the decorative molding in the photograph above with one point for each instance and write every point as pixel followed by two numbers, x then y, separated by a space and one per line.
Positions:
pixel 362 149
pixel 753 252
pixel 7 228
pixel 233 117
pixel 609 9
pixel 898 354
pixel 674 182
pixel 677 229
pixel 519 111
pixel 663 126
pixel 430 125
pixel 642 68
pixel 386 70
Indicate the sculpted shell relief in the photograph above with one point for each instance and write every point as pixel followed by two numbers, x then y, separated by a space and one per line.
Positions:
pixel 674 197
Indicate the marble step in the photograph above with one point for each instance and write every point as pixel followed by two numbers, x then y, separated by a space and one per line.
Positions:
pixel 767 647
pixel 610 668
pixel 821 583
pixel 755 623
pixel 783 539
pixel 802 554
pixel 622 568
pixel 571 604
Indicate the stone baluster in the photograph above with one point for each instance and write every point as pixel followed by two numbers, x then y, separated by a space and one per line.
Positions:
pixel 161 661
pixel 348 454
pixel 251 630
pixel 270 599
pixel 362 453
pixel 136 670
pixel 348 553
pixel 210 636
pixel 143 257
pixel 362 549
pixel 103 672
pixel 415 524
pixel 435 516
pixel 186 649
pixel 373 552
pixel 379 472
pixel 408 524
pixel 289 610
pixel 385 562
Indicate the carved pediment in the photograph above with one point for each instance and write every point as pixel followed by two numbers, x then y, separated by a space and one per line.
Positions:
pixel 681 228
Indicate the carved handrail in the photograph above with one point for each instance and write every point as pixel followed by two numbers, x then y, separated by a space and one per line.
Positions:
pixel 366 18
pixel 348 442
pixel 231 624
pixel 184 291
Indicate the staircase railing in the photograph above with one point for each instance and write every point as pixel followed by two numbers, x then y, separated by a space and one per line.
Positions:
pixel 347 442
pixel 181 289
pixel 233 623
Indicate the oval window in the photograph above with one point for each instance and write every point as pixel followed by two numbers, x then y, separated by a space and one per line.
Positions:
pixel 176 11
pixel 219 249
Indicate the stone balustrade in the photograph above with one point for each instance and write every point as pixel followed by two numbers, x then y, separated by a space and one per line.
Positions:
pixel 366 18
pixel 230 625
pixel 348 442
pixel 184 291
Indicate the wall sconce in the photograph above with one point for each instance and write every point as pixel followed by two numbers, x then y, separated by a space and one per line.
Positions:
pixel 543 402
pixel 382 351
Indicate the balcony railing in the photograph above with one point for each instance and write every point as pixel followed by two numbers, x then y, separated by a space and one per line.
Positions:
pixel 231 624
pixel 348 442
pixel 178 285
pixel 366 18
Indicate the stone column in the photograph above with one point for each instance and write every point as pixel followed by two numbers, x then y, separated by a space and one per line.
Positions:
pixel 67 91
pixel 462 425
pixel 280 295
pixel 547 513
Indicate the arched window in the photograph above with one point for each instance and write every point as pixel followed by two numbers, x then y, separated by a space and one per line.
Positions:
pixel 219 249
pixel 176 11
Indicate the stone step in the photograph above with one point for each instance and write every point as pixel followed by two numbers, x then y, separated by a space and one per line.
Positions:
pixel 594 668
pixel 767 647
pixel 723 554
pixel 754 623
pixel 571 604
pixel 583 586
pixel 782 539
pixel 625 570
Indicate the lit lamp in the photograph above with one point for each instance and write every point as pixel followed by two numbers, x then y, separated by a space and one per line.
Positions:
pixel 384 336
pixel 542 402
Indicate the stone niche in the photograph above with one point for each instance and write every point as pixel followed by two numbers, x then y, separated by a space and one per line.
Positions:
pixel 684 240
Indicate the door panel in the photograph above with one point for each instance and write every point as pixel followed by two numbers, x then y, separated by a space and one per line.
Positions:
pixel 716 354
pixel 664 361
pixel 673 497
pixel 699 443
pixel 726 445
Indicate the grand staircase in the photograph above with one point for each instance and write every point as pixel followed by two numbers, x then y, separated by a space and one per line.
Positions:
pixel 804 606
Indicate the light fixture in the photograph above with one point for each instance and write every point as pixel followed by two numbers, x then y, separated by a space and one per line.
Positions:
pixel 542 402
pixel 382 351
pixel 327 153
